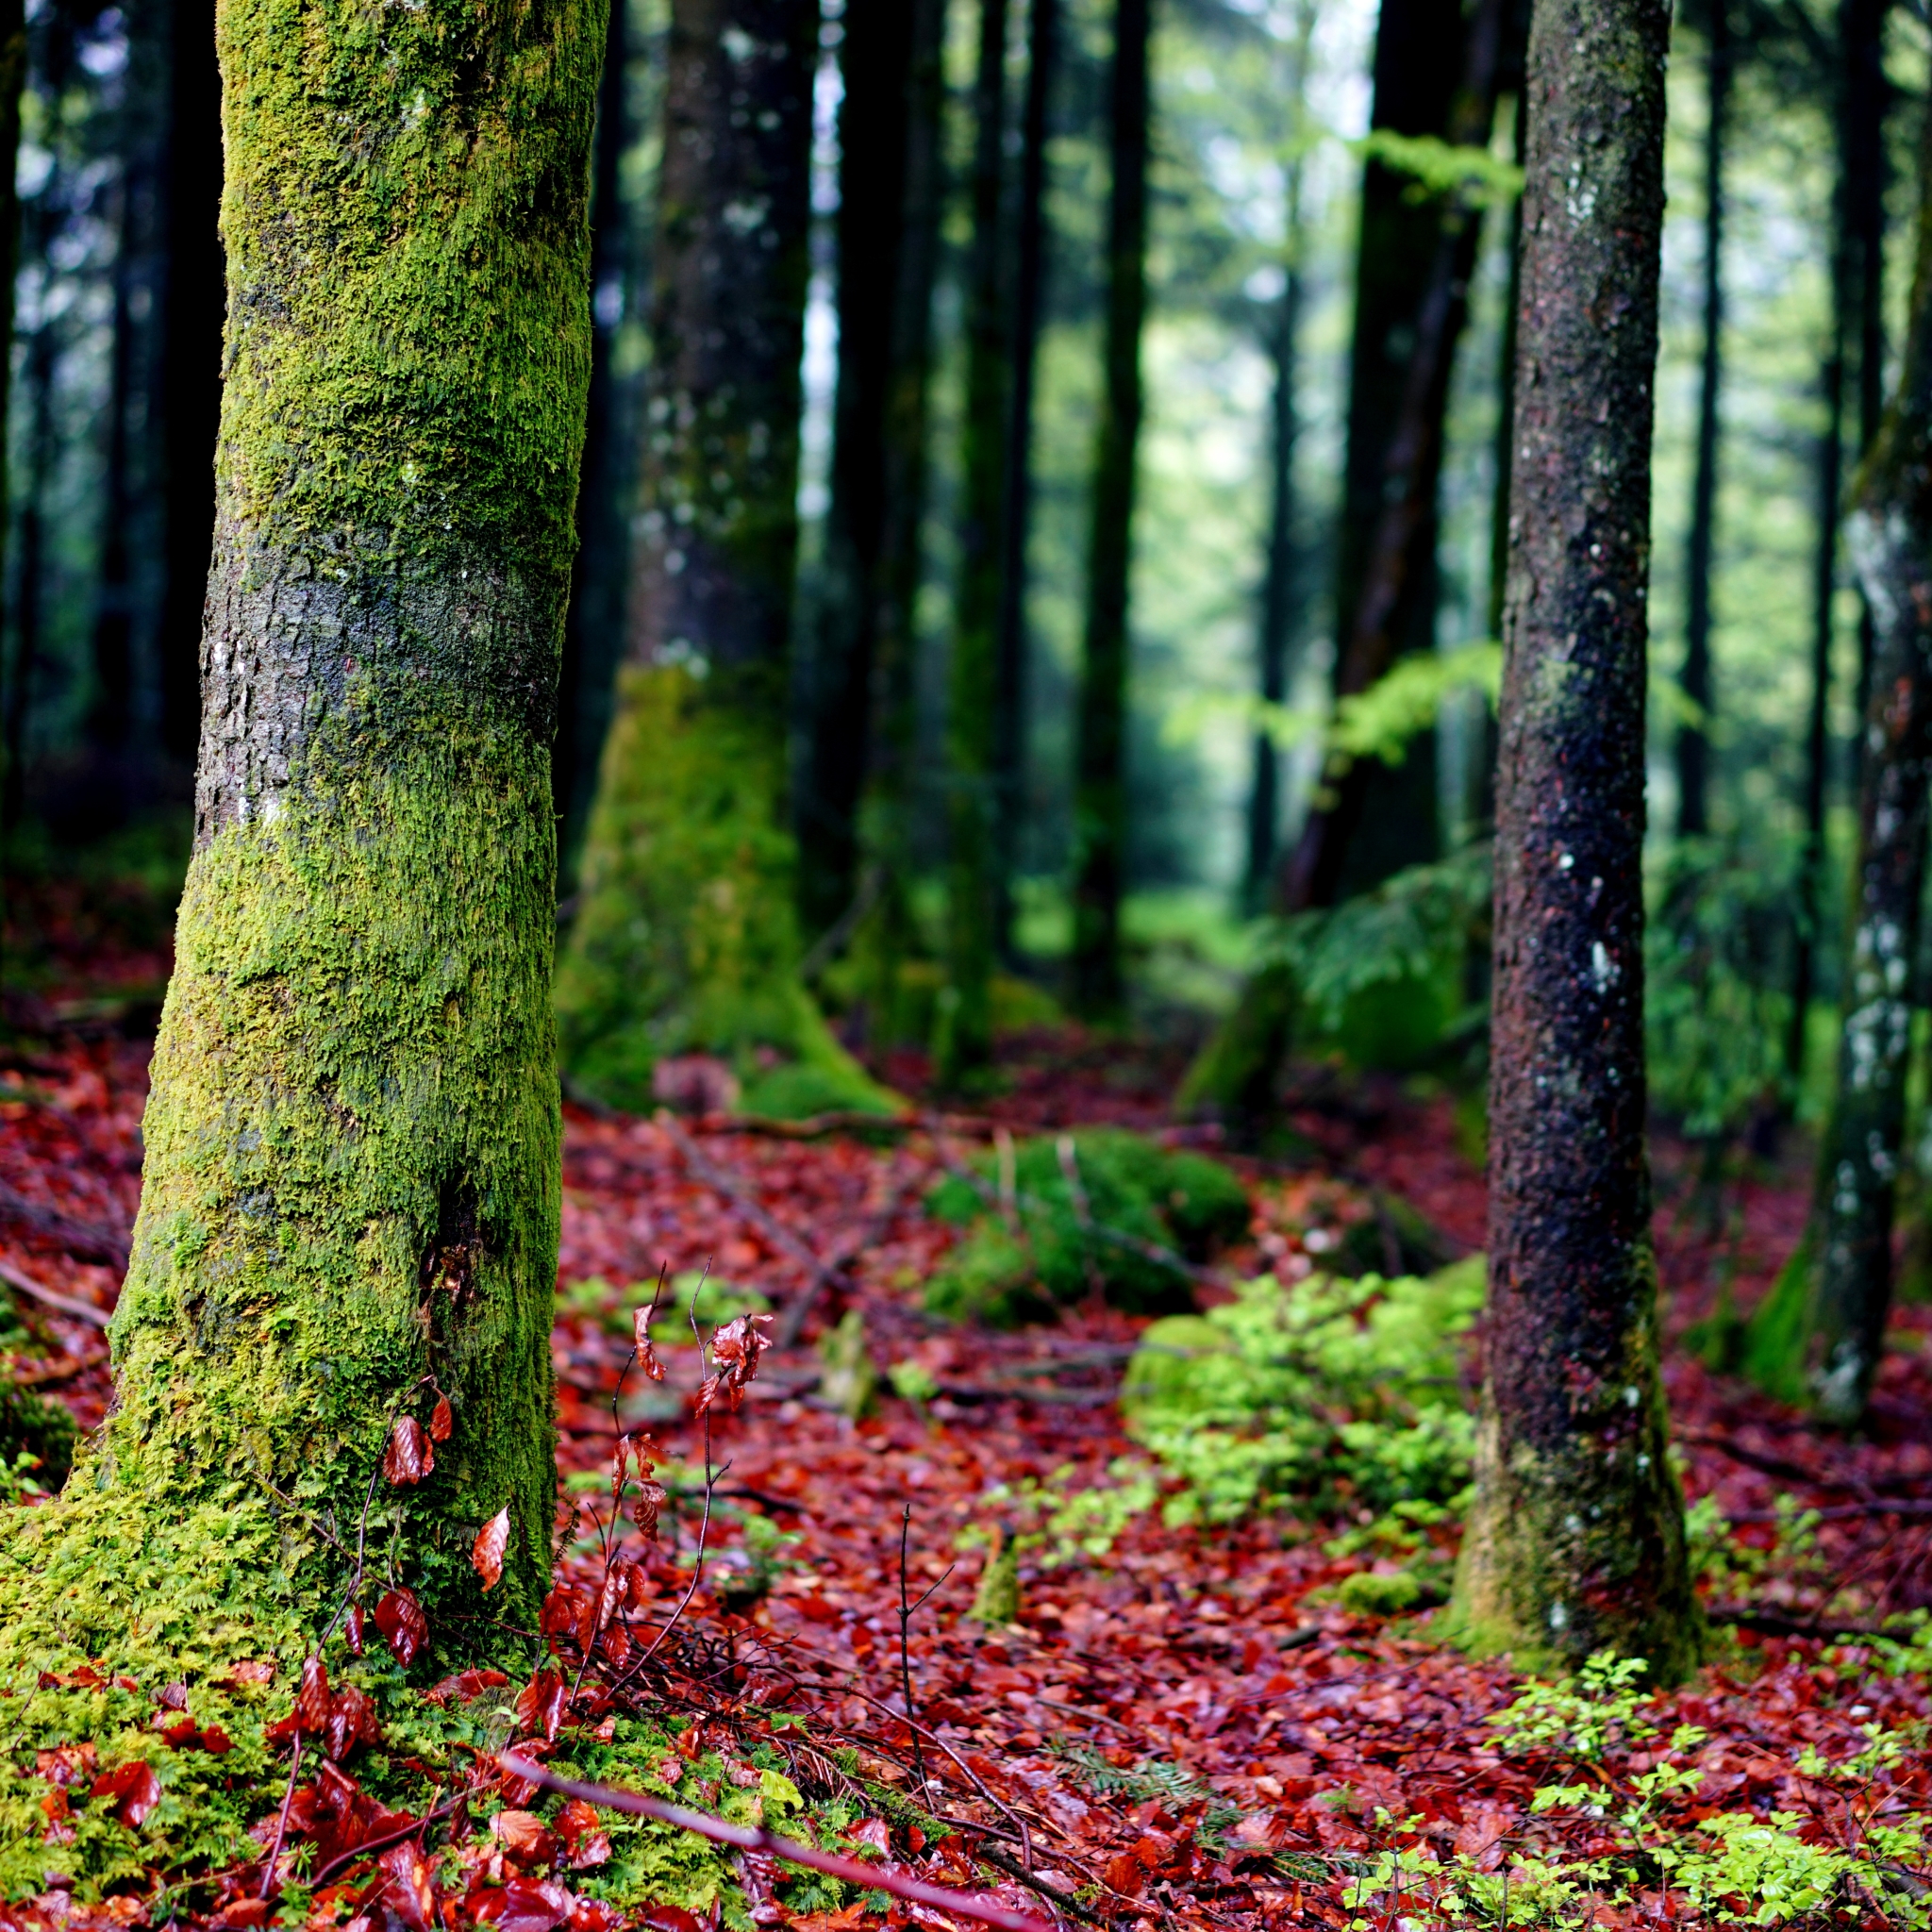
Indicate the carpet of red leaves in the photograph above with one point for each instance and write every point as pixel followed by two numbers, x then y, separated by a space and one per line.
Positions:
pixel 1192 1729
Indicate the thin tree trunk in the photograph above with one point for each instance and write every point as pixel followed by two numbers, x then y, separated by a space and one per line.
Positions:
pixel 1368 822
pixel 876 58
pixel 1693 745
pixel 43 358
pixel 594 630
pixel 17 686
pixel 686 938
pixel 1575 1541
pixel 1011 683
pixel 1820 1334
pixel 1100 788
pixel 1865 101
pixel 190 377
pixel 111 713
pixel 351 1192
pixel 963 1047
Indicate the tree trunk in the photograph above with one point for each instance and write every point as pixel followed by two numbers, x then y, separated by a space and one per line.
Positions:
pixel 1577 1538
pixel 593 631
pixel 1866 98
pixel 883 45
pixel 1819 1335
pixel 1011 683
pixel 686 939
pixel 963 1048
pixel 40 362
pixel 1100 788
pixel 191 379
pixel 111 713
pixel 1694 746
pixel 351 1192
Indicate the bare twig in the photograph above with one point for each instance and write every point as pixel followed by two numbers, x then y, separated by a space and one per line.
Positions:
pixel 63 1303
pixel 906 1612
pixel 756 1839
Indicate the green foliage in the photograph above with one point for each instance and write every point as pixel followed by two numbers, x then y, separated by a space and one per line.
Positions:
pixel 1328 1391
pixel 1068 1523
pixel 1581 1720
pixel 1441 167
pixel 41 1431
pixel 1068 1201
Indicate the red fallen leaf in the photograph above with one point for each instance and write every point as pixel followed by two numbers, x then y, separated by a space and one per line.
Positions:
pixel 641 1330
pixel 525 1837
pixel 216 1741
pixel 611 1596
pixel 464 1686
pixel 617 1643
pixel 673 1919
pixel 540 1704
pixel 584 1839
pixel 66 1764
pixel 313 1701
pixel 410 1892
pixel 442 1420
pixel 593 1915
pixel 351 1721
pixel 491 1540
pixel 351 1629
pixel 533 1905
pixel 872 1832
pixel 250 1671
pixel 404 1626
pixel 408 1457
pixel 568 1612
pixel 54 1805
pixel 135 1789
pixel 241 1913
pixel 186 1736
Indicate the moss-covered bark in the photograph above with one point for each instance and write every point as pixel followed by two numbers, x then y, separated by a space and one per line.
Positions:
pixel 686 939
pixel 1576 1536
pixel 1819 1335
pixel 352 1140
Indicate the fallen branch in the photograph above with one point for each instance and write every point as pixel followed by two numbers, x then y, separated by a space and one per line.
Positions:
pixel 1782 1624
pixel 87 1240
pixel 703 1168
pixel 63 1303
pixel 749 1838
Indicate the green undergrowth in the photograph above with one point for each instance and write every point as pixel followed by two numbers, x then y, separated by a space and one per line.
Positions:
pixel 1061 1217
pixel 1323 1392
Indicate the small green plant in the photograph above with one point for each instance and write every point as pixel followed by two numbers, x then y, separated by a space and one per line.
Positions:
pixel 1065 1523
pixel 1341 1393
pixel 1579 1720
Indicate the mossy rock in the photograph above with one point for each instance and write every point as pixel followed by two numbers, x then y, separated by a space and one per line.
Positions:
pixel 1131 1186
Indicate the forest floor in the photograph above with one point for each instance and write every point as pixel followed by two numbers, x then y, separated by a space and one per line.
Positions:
pixel 1192 1729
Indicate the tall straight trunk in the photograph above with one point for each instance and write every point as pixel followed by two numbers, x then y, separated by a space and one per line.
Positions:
pixel 1100 787
pixel 1865 100
pixel 1575 1541
pixel 351 1191
pixel 13 697
pixel 877 57
pixel 594 630
pixel 1016 505
pixel 1277 585
pixel 190 373
pixel 1693 745
pixel 1371 823
pixel 1819 1335
pixel 110 711
pixel 686 938
pixel 964 1044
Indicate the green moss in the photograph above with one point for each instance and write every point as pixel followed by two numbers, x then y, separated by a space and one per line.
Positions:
pixel 404 210
pixel 32 1425
pixel 1179 1201
pixel 686 939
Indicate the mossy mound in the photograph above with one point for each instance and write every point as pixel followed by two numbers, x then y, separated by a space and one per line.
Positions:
pixel 1072 1198
pixel 32 1425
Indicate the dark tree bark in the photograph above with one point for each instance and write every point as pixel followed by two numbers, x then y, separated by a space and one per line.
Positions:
pixel 17 684
pixel 1693 745
pixel 1576 1538
pixel 1100 790
pixel 43 358
pixel 191 380
pixel 1866 98
pixel 111 713
pixel 594 630
pixel 964 1044
pixel 350 1196
pixel 1369 821
pixel 1820 1334
pixel 886 45
pixel 1009 670
pixel 686 938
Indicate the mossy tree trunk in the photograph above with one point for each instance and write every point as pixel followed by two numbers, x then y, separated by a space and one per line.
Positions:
pixel 1577 1538
pixel 1819 1335
pixel 1693 742
pixel 1099 771
pixel 350 1190
pixel 686 939
pixel 963 1048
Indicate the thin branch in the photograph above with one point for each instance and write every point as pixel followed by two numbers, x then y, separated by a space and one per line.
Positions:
pixel 64 1304
pixel 756 1839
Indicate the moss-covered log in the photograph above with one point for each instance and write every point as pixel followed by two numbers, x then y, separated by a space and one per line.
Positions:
pixel 1818 1336
pixel 1577 1538
pixel 351 1191
pixel 686 939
